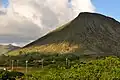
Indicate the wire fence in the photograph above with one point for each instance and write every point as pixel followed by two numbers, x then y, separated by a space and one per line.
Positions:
pixel 17 63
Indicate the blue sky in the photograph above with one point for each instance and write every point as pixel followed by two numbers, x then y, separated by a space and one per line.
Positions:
pixel 108 7
pixel 5 3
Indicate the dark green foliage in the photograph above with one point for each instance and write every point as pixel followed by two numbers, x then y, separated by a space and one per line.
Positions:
pixel 77 67
pixel 104 69
pixel 6 75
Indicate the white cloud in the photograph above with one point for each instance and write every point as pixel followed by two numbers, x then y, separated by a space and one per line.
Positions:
pixel 27 20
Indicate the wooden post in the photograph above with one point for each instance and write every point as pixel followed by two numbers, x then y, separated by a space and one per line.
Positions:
pixel 12 65
pixel 42 63
pixel 26 66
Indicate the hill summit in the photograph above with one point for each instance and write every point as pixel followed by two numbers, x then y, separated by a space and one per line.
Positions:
pixel 88 33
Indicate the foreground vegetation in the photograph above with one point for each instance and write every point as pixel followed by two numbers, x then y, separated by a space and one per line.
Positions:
pixel 65 67
pixel 6 75
pixel 75 69
pixel 104 69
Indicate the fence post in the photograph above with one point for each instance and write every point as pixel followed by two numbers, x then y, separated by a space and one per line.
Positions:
pixel 67 62
pixel 17 63
pixel 42 63
pixel 12 64
pixel 26 66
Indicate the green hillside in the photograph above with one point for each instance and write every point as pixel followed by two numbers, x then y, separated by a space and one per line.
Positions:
pixel 88 34
pixel 4 49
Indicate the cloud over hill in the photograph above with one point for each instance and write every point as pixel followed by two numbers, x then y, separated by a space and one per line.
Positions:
pixel 26 20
